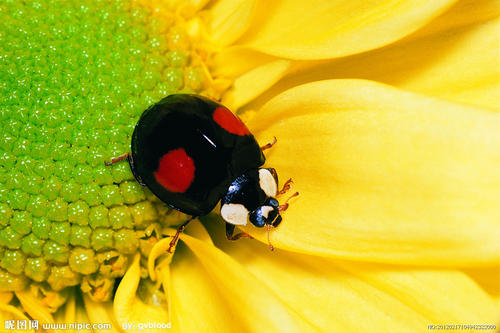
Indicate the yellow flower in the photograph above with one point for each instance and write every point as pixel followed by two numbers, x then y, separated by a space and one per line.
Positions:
pixel 386 119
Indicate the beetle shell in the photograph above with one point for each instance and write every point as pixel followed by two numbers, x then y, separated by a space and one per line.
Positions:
pixel 188 149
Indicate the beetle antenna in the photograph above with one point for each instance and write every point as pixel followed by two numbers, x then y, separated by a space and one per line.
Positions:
pixel 284 206
pixel 271 247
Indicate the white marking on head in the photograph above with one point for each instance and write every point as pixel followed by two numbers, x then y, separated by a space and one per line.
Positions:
pixel 265 210
pixel 235 214
pixel 267 183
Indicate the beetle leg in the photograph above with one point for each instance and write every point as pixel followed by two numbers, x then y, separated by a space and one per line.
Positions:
pixel 179 230
pixel 269 145
pixel 284 206
pixel 117 159
pixel 230 230
pixel 271 247
pixel 286 187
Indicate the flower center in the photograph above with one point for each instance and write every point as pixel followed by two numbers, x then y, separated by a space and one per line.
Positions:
pixel 76 77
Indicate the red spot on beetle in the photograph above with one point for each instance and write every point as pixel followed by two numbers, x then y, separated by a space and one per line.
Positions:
pixel 175 171
pixel 228 121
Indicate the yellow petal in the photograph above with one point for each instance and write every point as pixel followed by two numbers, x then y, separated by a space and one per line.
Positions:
pixel 455 57
pixel 384 175
pixel 197 304
pixel 253 305
pixel 440 295
pixel 320 29
pixel 342 296
pixel 101 312
pixel 488 279
pixel 34 307
pixel 130 310
pixel 231 63
pixel 253 83
pixel 228 20
pixel 11 313
pixel 159 249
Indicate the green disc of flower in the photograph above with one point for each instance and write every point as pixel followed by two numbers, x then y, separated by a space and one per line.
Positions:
pixel 68 102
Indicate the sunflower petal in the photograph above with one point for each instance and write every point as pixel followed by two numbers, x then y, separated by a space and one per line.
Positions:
pixel 128 309
pixel 100 312
pixel 384 175
pixel 253 83
pixel 358 297
pixel 442 296
pixel 320 29
pixel 455 57
pixel 228 20
pixel 233 62
pixel 488 279
pixel 241 290
pixel 207 313
pixel 34 307
pixel 10 312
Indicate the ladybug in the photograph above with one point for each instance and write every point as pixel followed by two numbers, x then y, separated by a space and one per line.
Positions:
pixel 192 152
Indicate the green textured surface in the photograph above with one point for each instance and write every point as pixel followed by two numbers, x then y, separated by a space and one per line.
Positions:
pixel 74 78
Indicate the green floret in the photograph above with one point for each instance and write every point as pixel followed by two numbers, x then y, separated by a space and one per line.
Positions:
pixel 13 261
pixel 80 236
pixel 98 217
pixel 36 269
pixel 83 261
pixel 102 239
pixel 10 239
pixel 32 245
pixel 120 217
pixel 126 241
pixel 60 232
